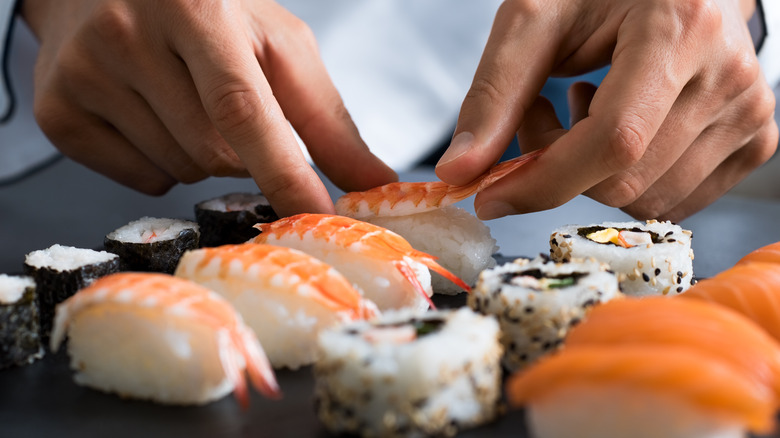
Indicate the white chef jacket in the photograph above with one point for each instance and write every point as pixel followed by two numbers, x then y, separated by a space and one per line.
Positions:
pixel 401 66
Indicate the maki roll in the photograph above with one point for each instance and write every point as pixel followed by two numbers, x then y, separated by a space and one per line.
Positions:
pixel 537 301
pixel 653 258
pixel 152 244
pixel 231 218
pixel 409 374
pixel 60 271
pixel 20 342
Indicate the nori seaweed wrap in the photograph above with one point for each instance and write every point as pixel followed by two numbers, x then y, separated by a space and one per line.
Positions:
pixel 60 271
pixel 152 244
pixel 231 218
pixel 20 341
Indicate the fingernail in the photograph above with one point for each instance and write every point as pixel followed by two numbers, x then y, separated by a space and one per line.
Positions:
pixel 459 145
pixel 494 210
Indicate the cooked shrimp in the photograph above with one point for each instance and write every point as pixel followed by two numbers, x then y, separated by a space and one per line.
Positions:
pixel 286 296
pixel 368 255
pixel 163 338
pixel 403 198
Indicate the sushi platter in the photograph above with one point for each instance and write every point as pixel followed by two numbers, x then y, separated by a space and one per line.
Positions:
pixel 297 398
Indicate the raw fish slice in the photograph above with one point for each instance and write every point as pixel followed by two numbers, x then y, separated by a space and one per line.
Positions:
pixel 752 289
pixel 693 379
pixel 178 305
pixel 403 198
pixel 361 251
pixel 769 253
pixel 710 329
pixel 286 296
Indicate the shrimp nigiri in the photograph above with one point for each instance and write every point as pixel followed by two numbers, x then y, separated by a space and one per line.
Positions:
pixel 639 391
pixel 422 212
pixel 384 265
pixel 161 338
pixel 752 289
pixel 707 328
pixel 286 296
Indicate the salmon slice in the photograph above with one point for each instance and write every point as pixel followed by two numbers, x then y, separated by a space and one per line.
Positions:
pixel 769 253
pixel 689 376
pixel 752 289
pixel 709 329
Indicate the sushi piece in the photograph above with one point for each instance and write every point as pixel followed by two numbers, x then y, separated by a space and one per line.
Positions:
pixel 158 337
pixel 152 244
pixel 390 272
pixel 286 296
pixel 461 243
pixel 752 289
pixel 653 258
pixel 639 391
pixel 711 329
pixel 231 218
pixel 537 301
pixel 60 271
pixel 769 254
pixel 409 374
pixel 422 212
pixel 20 342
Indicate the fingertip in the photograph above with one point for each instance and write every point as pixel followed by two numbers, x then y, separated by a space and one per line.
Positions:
pixel 460 163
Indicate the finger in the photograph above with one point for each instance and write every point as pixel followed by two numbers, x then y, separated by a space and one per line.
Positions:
pixel 140 126
pixel 540 126
pixel 579 97
pixel 728 174
pixel 77 133
pixel 173 98
pixel 625 114
pixel 311 102
pixel 241 105
pixel 505 86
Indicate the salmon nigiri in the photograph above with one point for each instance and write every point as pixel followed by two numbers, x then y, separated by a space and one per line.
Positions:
pixel 752 289
pixel 286 296
pixel 710 329
pixel 769 253
pixel 640 392
pixel 161 338
pixel 383 264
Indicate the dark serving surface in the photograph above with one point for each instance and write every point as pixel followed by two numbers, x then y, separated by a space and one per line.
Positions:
pixel 69 206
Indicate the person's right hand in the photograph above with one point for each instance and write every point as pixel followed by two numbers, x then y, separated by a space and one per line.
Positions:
pixel 151 93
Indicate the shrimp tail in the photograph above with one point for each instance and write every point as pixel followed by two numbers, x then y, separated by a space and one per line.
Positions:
pixel 258 366
pixel 494 174
pixel 439 269
pixel 233 370
pixel 409 274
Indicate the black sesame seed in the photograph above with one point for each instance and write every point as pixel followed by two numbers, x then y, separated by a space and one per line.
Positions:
pixel 679 280
pixel 567 236
pixel 669 233
pixel 529 309
pixel 645 277
pixel 657 271
pixel 574 322
pixel 547 346
pixel 536 339
pixel 679 273
pixel 679 289
pixel 524 357
pixel 512 346
pixel 589 302
pixel 554 242
pixel 671 240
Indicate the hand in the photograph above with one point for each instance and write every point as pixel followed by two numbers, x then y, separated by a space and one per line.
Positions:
pixel 683 114
pixel 151 93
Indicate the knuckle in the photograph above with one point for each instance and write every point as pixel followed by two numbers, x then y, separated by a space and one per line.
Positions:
pixel 113 22
pixel 520 8
pixel 626 145
pixel 741 69
pixel 232 105
pixel 763 147
pixel 52 117
pixel 283 185
pixel 488 87
pixel 699 17
pixel 618 191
